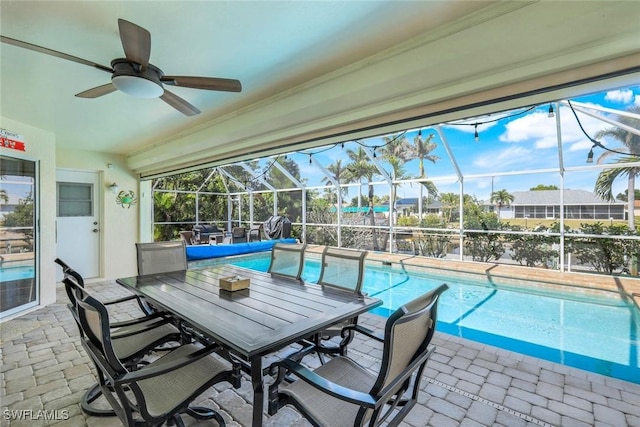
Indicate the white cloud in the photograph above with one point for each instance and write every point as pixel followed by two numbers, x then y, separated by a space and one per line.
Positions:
pixel 540 130
pixel 621 96
pixel 514 155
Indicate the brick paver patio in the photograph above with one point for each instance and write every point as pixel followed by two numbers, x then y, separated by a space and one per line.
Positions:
pixel 45 371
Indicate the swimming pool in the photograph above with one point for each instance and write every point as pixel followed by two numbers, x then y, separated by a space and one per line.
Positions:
pixel 16 273
pixel 596 331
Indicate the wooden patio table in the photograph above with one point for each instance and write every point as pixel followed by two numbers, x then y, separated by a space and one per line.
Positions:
pixel 268 316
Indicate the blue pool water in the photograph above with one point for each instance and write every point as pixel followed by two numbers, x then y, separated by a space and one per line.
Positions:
pixel 597 333
pixel 16 273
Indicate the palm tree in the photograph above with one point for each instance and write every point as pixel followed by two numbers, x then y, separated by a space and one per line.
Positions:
pixel 362 168
pixel 449 203
pixel 631 147
pixel 422 149
pixel 501 198
pixel 397 172
pixel 338 173
pixel 395 146
pixel 395 151
pixel 353 174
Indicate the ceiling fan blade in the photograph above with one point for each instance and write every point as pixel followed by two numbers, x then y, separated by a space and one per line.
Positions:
pixel 136 42
pixel 97 91
pixel 208 83
pixel 179 104
pixel 40 49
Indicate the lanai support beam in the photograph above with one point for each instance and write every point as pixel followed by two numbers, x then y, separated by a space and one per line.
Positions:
pixel 561 167
pixel 392 202
pixel 262 180
pixel 302 187
pixel 229 204
pixel 339 195
pixel 461 180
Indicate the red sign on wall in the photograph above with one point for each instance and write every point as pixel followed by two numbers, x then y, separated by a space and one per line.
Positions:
pixel 11 140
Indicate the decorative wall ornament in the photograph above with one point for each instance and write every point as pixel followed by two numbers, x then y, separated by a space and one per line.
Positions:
pixel 126 199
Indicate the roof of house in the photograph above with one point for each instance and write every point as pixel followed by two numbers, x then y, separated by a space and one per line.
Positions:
pixel 552 197
pixel 407 201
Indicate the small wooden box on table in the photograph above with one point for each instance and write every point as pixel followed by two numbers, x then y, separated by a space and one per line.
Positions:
pixel 234 283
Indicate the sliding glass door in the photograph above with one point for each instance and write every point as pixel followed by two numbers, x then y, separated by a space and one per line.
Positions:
pixel 18 248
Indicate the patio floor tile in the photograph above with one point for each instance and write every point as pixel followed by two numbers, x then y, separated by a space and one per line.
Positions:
pixel 43 367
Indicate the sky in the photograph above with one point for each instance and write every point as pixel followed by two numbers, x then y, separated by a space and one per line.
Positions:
pixel 525 139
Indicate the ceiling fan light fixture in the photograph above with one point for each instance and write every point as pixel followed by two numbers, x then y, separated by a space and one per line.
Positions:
pixel 138 86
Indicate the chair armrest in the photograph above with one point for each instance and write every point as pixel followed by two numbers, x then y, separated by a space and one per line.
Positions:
pixel 119 300
pixel 142 304
pixel 160 368
pixel 329 387
pixel 149 327
pixel 366 331
pixel 157 315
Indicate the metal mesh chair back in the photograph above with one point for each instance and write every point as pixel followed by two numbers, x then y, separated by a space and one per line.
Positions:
pixel 287 260
pixel 408 332
pixel 345 393
pixel 94 322
pixel 161 257
pixel 73 284
pixel 158 391
pixel 343 269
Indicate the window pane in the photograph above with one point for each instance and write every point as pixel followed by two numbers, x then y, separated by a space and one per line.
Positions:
pixel 74 199
pixel 18 281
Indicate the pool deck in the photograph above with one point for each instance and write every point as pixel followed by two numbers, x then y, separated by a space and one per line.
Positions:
pixel 44 367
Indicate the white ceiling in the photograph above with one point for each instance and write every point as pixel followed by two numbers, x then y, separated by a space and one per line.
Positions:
pixel 270 46
pixel 321 65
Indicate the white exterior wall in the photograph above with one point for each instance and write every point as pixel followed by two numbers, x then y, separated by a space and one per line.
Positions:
pixel 119 226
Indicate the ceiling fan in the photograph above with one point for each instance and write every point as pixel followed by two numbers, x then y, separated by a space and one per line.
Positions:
pixel 134 74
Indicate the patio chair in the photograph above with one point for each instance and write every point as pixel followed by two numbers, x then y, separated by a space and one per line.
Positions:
pixel 160 391
pixel 287 260
pixel 343 393
pixel 161 257
pixel 188 237
pixel 68 271
pixel 341 269
pixel 132 340
pixel 255 233
pixel 239 234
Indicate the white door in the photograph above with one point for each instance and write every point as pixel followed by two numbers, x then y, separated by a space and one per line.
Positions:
pixel 77 223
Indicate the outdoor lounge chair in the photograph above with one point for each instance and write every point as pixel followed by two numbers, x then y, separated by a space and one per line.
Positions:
pixel 160 391
pixel 161 257
pixel 343 270
pixel 131 340
pixel 343 393
pixel 287 260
